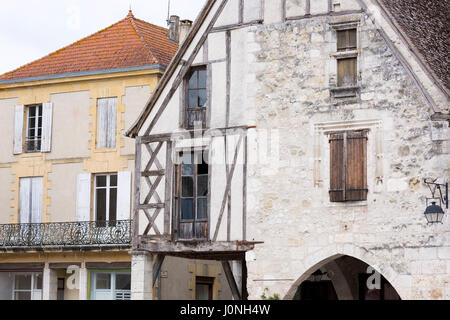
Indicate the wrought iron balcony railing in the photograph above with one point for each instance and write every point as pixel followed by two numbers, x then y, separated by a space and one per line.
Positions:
pixel 66 234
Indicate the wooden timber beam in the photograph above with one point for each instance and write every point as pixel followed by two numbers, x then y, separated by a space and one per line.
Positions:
pixel 231 280
pixel 158 245
pixel 192 134
pixel 157 267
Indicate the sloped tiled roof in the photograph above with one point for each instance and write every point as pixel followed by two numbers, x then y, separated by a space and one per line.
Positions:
pixel 426 23
pixel 128 43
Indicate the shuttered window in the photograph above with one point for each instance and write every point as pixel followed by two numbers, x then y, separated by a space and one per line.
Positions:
pixel 347 71
pixel 196 98
pixel 347 66
pixel 346 40
pixel 348 166
pixel 106 123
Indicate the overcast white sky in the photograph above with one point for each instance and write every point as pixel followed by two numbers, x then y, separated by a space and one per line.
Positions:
pixel 31 29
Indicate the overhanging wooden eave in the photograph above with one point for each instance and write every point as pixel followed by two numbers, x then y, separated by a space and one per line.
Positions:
pixel 206 250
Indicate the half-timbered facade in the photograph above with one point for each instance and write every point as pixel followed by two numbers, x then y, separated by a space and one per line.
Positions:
pixel 293 138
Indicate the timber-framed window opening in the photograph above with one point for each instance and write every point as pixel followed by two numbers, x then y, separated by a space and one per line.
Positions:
pixel 195 109
pixel 347 65
pixel 348 166
pixel 34 129
pixel 346 53
pixel 106 199
pixel 192 195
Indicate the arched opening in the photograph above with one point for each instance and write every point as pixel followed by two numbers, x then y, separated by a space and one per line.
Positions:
pixel 345 278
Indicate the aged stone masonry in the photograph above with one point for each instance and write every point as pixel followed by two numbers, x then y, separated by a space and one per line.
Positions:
pixel 352 119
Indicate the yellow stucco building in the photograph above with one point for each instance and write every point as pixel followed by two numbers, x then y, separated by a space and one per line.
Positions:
pixel 66 171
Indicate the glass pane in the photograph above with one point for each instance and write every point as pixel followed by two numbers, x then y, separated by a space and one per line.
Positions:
pixel 31 125
pixel 187 187
pixel 38 281
pixel 202 208
pixel 32 111
pixel 112 204
pixel 202 79
pixel 201 98
pixel 202 291
pixel 123 282
pixel 103 281
pixel 101 181
pixel 101 204
pixel 187 209
pixel 193 99
pixel 113 180
pixel 188 164
pixel 22 296
pixel 193 83
pixel 202 167
pixel 23 282
pixel 202 186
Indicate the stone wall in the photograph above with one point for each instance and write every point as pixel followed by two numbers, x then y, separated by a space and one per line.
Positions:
pixel 293 68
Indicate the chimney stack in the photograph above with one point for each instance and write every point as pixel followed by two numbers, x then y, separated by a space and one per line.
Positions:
pixel 185 27
pixel 174 28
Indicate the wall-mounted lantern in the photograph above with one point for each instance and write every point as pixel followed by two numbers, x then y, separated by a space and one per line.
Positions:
pixel 434 213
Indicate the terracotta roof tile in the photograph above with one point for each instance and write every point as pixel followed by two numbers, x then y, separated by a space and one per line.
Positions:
pixel 128 43
pixel 426 23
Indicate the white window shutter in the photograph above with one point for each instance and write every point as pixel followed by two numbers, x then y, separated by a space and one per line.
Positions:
pixel 84 197
pixel 102 123
pixel 47 114
pixel 18 129
pixel 112 122
pixel 124 195
pixel 24 201
pixel 37 195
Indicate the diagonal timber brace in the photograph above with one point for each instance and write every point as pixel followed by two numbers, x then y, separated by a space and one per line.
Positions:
pixel 231 280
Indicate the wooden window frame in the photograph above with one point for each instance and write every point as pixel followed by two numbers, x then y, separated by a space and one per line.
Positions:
pixel 345 194
pixel 33 287
pixel 342 92
pixel 108 188
pixel 113 282
pixel 177 194
pixel 185 100
pixel 209 281
pixel 36 139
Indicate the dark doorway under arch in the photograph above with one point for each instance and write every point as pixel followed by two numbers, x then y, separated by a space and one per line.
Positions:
pixel 346 278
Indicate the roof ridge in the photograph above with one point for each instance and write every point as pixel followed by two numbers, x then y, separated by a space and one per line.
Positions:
pixel 61 49
pixel 131 18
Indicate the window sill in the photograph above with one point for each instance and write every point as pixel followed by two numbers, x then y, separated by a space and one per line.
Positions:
pixel 347 94
pixel 348 204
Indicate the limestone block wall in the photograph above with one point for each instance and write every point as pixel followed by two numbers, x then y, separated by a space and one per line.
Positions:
pixel 293 69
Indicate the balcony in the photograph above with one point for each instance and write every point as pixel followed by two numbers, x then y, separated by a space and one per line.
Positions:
pixel 90 235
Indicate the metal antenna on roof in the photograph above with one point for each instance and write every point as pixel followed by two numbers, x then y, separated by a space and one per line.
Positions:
pixel 168 13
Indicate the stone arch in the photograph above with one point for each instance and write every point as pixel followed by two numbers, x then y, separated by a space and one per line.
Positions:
pixel 328 254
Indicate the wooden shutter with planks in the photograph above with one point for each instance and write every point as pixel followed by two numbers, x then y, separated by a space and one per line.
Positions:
pixel 348 166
